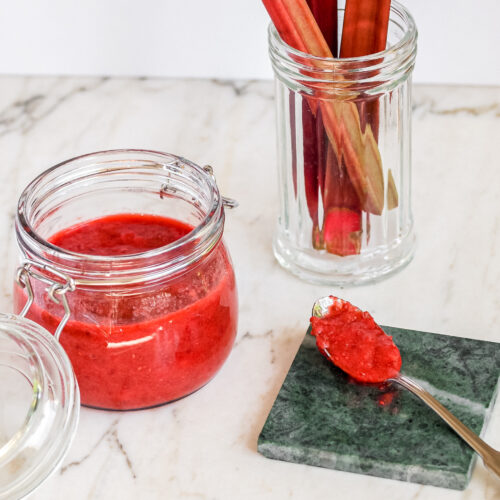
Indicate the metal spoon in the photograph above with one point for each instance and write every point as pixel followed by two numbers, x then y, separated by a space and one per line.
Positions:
pixel 490 456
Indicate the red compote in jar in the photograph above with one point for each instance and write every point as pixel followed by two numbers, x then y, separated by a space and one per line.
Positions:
pixel 124 255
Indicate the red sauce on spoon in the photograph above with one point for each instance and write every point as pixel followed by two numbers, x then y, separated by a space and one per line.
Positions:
pixel 352 340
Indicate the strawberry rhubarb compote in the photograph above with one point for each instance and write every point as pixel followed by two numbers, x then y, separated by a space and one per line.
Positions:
pixel 146 349
pixel 352 340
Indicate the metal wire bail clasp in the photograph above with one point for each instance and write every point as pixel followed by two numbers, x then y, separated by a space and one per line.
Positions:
pixel 227 202
pixel 56 290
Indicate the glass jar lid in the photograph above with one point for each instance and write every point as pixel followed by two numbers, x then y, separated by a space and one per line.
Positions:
pixel 39 405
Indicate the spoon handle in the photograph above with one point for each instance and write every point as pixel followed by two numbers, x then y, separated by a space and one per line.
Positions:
pixel 490 456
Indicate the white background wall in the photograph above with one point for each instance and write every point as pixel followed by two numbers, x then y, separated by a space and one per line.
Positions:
pixel 459 40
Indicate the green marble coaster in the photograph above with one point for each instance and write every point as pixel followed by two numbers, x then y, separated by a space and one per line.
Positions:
pixel 323 418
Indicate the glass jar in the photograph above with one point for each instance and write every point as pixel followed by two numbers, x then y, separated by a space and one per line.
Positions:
pixel 344 158
pixel 140 329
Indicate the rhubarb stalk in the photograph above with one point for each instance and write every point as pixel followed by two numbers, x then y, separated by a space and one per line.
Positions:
pixel 293 140
pixel 365 32
pixel 365 27
pixel 315 142
pixel 366 23
pixel 325 13
pixel 310 147
pixel 297 27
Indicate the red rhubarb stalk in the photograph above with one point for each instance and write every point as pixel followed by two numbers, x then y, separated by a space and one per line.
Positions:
pixel 365 32
pixel 293 140
pixel 342 222
pixel 296 25
pixel 366 23
pixel 365 27
pixel 296 29
pixel 315 140
pixel 310 148
pixel 322 139
pixel 339 191
pixel 325 13
pixel 341 233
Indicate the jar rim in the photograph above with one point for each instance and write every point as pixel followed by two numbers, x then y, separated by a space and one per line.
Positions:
pixel 395 61
pixel 202 237
pixel 410 33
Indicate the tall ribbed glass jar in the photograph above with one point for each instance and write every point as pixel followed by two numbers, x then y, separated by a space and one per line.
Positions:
pixel 344 159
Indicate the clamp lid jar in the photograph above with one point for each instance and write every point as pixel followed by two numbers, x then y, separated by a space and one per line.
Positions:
pixel 146 290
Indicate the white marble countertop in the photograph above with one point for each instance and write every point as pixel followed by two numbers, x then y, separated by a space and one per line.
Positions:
pixel 204 446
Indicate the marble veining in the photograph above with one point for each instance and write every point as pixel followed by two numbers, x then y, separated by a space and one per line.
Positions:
pixel 205 446
pixel 110 436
